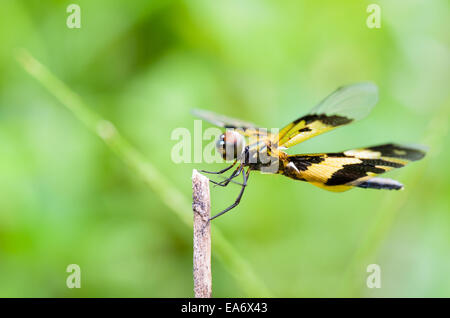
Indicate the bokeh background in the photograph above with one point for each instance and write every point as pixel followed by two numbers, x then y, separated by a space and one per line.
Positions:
pixel 66 198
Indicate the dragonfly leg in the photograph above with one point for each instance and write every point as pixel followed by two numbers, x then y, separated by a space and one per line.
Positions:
pixel 221 171
pixel 235 173
pixel 232 176
pixel 221 182
pixel 245 176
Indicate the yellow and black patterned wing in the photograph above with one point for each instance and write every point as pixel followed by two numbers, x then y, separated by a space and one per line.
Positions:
pixel 358 167
pixel 343 106
pixel 245 128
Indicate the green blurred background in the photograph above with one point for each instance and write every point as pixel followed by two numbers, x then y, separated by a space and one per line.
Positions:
pixel 66 198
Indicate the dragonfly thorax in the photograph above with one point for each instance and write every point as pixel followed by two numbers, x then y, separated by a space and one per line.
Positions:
pixel 231 145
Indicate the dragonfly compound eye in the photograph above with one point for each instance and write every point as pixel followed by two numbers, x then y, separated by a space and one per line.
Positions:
pixel 230 145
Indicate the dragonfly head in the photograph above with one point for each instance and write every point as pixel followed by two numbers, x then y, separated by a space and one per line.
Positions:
pixel 230 145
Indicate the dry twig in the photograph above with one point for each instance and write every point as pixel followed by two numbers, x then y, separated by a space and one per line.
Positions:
pixel 202 235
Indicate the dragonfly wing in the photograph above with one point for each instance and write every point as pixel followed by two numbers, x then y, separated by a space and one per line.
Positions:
pixel 343 106
pixel 357 167
pixel 246 128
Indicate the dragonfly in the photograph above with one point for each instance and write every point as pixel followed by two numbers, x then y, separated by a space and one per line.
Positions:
pixel 251 148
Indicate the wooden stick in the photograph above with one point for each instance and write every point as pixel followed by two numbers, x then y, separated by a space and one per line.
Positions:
pixel 202 235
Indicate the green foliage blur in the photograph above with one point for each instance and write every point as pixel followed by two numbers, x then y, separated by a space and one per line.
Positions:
pixel 65 198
